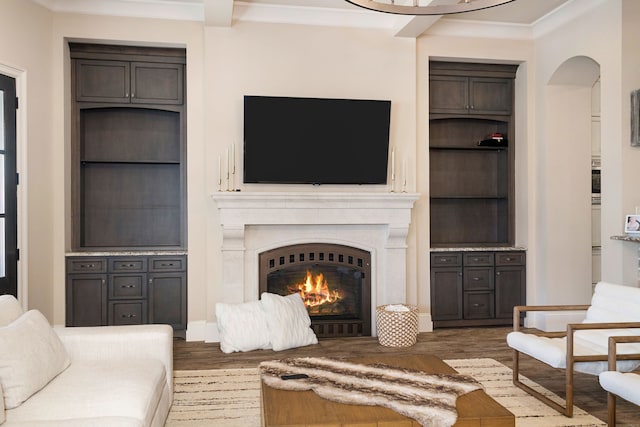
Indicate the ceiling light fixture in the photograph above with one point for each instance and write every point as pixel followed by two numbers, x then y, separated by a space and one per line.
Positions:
pixel 413 7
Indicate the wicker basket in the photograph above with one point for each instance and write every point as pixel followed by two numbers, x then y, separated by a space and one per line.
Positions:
pixel 397 328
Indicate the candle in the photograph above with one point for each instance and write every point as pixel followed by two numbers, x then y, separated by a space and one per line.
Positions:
pixel 404 172
pixel 233 158
pixel 219 170
pixel 393 164
pixel 227 163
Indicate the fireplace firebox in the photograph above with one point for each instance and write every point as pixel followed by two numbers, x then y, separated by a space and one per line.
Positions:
pixel 333 281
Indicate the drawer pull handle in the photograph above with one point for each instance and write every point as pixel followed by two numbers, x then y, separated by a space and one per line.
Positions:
pixel 127 286
pixel 443 260
pixel 476 279
pixel 508 259
pixel 166 264
pixel 478 305
pixel 128 316
pixel 87 265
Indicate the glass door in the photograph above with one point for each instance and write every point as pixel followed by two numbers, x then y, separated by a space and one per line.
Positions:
pixel 8 187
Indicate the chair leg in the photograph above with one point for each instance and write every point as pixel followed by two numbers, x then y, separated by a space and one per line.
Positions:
pixel 568 409
pixel 611 408
pixel 565 410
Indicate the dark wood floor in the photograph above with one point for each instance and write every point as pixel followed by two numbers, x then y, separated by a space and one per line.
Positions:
pixel 444 343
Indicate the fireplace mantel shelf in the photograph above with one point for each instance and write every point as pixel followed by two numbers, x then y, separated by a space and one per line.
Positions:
pixel 246 208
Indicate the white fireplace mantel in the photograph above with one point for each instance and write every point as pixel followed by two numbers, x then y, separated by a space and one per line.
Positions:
pixel 253 222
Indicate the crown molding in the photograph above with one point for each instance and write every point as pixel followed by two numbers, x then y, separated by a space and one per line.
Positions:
pixel 194 10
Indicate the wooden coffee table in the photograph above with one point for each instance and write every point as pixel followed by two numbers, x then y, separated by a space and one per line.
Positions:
pixel 281 408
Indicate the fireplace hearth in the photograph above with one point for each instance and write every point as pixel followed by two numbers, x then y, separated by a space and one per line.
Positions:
pixel 333 281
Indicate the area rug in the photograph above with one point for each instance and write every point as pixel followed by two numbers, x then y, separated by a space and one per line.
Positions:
pixel 231 397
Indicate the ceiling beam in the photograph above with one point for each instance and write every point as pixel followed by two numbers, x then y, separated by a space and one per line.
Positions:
pixel 218 13
pixel 415 26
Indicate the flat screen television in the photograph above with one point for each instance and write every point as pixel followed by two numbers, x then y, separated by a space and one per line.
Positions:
pixel 315 140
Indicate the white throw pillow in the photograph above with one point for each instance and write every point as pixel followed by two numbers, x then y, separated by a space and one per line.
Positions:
pixel 10 309
pixel 242 327
pixel 31 355
pixel 288 320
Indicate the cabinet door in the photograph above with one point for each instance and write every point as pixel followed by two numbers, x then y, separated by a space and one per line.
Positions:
pixel 102 81
pixel 510 289
pixel 153 83
pixel 448 94
pixel 490 96
pixel 168 299
pixel 86 300
pixel 446 293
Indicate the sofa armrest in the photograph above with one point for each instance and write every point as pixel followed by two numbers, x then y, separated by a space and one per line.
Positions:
pixel 613 352
pixel 120 342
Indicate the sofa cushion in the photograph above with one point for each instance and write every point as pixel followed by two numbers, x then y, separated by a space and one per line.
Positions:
pixel 10 309
pixel 288 321
pixel 129 389
pixel 31 355
pixel 242 327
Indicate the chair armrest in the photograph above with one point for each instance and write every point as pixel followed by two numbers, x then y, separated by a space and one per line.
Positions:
pixel 613 354
pixel 518 309
pixel 137 342
pixel 574 327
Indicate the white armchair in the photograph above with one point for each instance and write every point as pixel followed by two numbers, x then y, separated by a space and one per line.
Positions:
pixel 614 311
pixel 622 384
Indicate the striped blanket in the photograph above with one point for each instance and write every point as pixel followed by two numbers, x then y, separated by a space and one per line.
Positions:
pixel 430 399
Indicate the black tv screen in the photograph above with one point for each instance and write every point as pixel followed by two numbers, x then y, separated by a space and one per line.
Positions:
pixel 315 140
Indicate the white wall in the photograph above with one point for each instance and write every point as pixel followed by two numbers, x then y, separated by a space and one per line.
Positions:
pixel 252 58
pixel 25 53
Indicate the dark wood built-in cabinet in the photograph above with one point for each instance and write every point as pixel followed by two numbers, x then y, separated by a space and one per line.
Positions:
pixel 476 288
pixel 127 290
pixel 128 184
pixel 472 203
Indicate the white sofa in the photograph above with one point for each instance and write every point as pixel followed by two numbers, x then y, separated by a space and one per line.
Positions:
pixel 110 376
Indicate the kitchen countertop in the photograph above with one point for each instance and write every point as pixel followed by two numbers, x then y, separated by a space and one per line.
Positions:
pixel 627 238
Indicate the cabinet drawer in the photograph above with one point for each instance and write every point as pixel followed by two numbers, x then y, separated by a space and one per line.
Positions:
pixel 127 264
pixel 178 263
pixel 127 286
pixel 446 259
pixel 478 305
pixel 510 258
pixel 478 278
pixel 128 313
pixel 478 258
pixel 86 265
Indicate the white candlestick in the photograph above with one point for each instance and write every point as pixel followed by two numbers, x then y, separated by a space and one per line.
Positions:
pixel 393 164
pixel 233 157
pixel 219 173
pixel 404 176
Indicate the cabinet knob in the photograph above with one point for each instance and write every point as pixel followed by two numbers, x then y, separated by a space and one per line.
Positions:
pixel 497 273
pixel 472 107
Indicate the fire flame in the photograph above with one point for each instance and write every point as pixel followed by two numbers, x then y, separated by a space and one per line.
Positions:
pixel 315 291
